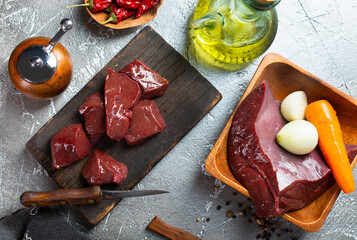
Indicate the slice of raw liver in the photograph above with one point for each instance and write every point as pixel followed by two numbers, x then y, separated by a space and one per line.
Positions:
pixel 277 180
pixel 101 168
pixel 151 83
pixel 120 94
pixel 146 122
pixel 94 117
pixel 69 145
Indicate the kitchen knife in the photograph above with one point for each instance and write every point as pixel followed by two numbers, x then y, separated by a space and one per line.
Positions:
pixel 78 196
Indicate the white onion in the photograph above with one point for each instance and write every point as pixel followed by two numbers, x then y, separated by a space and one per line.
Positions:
pixel 299 137
pixel 293 106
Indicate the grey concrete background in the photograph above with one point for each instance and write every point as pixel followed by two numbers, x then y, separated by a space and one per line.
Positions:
pixel 320 36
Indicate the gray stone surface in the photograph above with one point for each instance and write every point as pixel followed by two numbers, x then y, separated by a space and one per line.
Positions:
pixel 320 36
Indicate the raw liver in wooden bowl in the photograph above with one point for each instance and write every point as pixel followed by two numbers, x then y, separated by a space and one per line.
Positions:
pixel 285 77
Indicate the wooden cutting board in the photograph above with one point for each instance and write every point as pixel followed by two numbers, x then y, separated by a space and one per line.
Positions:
pixel 189 97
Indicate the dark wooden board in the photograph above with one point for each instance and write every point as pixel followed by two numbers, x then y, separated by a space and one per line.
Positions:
pixel 189 97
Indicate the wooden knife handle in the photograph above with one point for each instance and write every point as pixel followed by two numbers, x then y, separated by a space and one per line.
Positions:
pixel 170 232
pixel 63 196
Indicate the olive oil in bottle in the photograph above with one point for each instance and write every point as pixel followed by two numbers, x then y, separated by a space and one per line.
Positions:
pixel 228 34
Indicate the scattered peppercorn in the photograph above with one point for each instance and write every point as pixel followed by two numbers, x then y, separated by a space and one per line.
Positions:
pixel 228 202
pixel 267 224
pixel 260 221
pixel 243 213
pixel 208 219
pixel 229 214
pixel 265 235
pixel 219 207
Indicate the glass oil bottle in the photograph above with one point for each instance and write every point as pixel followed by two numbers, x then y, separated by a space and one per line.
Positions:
pixel 228 34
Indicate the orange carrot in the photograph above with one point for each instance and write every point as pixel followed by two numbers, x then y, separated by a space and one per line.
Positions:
pixel 322 115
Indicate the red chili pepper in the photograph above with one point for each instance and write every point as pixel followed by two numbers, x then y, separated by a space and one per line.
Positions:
pixel 117 14
pixel 95 5
pixel 145 6
pixel 129 4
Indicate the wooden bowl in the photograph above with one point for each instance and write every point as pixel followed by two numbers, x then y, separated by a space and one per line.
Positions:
pixel 129 22
pixel 285 77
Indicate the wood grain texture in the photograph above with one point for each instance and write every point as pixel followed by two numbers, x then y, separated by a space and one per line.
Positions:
pixel 283 78
pixel 89 195
pixel 54 86
pixel 169 231
pixel 188 98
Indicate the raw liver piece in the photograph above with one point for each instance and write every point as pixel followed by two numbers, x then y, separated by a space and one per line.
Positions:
pixel 69 145
pixel 120 94
pixel 151 83
pixel 276 180
pixel 146 122
pixel 351 151
pixel 94 117
pixel 101 168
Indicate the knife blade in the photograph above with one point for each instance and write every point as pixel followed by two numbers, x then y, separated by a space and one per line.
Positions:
pixel 89 195
pixel 112 194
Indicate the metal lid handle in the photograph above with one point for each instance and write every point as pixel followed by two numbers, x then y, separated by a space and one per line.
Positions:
pixel 66 24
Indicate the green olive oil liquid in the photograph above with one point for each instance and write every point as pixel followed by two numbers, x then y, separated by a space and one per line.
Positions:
pixel 228 34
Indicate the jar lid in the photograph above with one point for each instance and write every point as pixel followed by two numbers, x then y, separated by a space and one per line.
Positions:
pixel 36 65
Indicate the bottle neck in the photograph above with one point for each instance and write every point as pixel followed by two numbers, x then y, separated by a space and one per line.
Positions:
pixel 246 11
pixel 263 4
